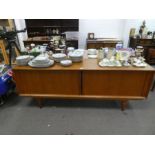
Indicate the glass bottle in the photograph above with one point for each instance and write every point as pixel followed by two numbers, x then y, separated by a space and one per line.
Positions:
pixel 100 54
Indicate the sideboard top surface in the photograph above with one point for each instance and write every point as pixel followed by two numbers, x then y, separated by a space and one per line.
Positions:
pixel 86 64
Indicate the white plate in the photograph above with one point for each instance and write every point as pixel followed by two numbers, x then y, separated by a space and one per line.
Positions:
pixel 51 62
pixel 106 64
pixel 139 65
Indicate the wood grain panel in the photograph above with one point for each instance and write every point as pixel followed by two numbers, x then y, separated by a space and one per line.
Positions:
pixel 48 82
pixel 114 83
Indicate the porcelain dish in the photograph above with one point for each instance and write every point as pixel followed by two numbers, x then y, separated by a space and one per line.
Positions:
pixel 92 51
pixel 23 60
pixel 107 63
pixel 66 62
pixel 59 56
pixel 33 64
pixel 41 60
pixel 92 56
pixel 77 55
pixel 142 64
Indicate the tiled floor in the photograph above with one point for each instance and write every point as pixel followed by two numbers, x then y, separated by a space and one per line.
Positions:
pixel 20 115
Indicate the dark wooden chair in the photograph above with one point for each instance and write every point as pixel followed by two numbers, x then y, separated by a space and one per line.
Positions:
pixel 151 56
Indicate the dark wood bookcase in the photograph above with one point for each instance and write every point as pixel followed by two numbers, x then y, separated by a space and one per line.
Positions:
pixel 45 27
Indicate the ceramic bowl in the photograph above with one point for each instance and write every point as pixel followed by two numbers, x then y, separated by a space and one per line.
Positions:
pixel 59 56
pixel 66 62
pixel 70 49
pixel 92 51
pixel 76 56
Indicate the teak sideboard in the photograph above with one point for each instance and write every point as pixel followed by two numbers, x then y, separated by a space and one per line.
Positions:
pixel 84 80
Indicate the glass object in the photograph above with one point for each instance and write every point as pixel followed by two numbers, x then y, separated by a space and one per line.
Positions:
pixel 100 54
pixel 111 52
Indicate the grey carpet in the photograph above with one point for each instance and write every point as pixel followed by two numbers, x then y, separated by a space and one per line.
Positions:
pixel 20 115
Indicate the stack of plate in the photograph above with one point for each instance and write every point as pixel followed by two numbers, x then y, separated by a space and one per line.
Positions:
pixel 41 61
pixel 142 64
pixel 59 56
pixel 77 55
pixel 23 60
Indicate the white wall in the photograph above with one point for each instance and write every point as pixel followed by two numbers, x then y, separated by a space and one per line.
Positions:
pixel 20 24
pixel 106 28
pixel 116 28
pixel 136 23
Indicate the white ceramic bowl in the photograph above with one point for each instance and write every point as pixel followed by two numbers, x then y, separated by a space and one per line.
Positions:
pixel 92 51
pixel 59 56
pixel 66 62
pixel 70 49
pixel 77 55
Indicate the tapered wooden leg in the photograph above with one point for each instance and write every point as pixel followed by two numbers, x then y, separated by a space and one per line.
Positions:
pixel 153 86
pixel 39 102
pixel 124 104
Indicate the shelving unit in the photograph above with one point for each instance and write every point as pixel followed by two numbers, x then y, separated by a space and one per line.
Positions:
pixel 45 27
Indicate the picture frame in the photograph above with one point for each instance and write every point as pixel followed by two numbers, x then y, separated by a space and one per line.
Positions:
pixel 91 35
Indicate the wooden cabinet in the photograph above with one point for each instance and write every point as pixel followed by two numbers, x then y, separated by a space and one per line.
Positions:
pixel 98 43
pixel 147 44
pixel 85 80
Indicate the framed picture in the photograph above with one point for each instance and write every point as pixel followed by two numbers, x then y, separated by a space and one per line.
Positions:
pixel 91 35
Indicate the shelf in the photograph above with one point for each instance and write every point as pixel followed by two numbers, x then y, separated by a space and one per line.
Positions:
pixel 52 26
pixel 31 35
pixel 41 26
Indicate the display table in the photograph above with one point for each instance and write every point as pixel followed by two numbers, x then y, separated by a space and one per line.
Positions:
pixel 85 80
